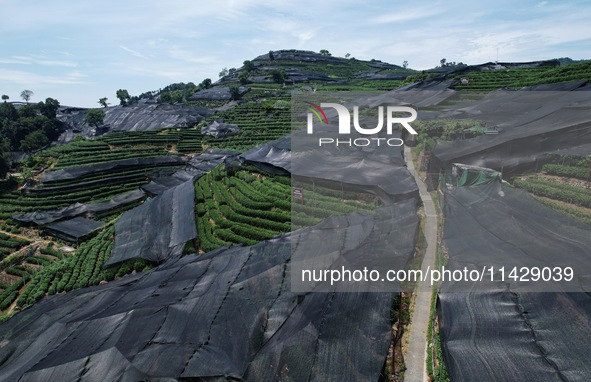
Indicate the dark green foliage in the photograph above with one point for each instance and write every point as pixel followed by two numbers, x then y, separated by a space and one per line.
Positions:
pixel 34 141
pixel 8 111
pixel 84 268
pixel 518 78
pixel 571 160
pixel 570 211
pixel 165 98
pixel 124 97
pixel 557 191
pixel 243 78
pixel 278 75
pixel 568 171
pixel 234 93
pixel 49 107
pixel 4 162
pixel 10 244
pixel 248 66
pixel 29 128
pixel 94 117
pixel 247 206
pixel 205 84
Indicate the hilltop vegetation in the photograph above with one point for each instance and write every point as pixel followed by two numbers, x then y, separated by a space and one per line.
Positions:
pixel 515 78
pixel 26 128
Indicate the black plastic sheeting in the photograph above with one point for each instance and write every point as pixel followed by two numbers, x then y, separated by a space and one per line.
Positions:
pixel 73 229
pixel 358 242
pixel 489 226
pixel 197 166
pixel 219 130
pixel 218 93
pixel 158 229
pixel 532 124
pixel 420 96
pixel 383 174
pixel 77 209
pixel 138 117
pixel 117 165
pixel 226 315
pixel 506 336
pixel 273 157
pixel 508 331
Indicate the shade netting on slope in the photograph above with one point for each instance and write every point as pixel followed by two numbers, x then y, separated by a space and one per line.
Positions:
pixel 488 226
pixel 117 165
pixel 137 117
pixel 77 209
pixel 73 229
pixel 196 167
pixel 350 245
pixel 512 330
pixel 157 229
pixel 226 315
pixel 381 173
pixel 501 335
pixel 531 124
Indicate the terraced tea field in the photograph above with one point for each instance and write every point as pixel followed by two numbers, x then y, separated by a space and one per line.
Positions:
pixel 564 185
pixel 518 78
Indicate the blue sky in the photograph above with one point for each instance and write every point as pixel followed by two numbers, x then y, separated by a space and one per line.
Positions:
pixel 80 51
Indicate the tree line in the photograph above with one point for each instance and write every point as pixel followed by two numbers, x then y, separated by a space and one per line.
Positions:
pixel 27 127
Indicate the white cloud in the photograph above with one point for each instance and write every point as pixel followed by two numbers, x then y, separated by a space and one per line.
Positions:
pixel 177 53
pixel 402 15
pixel 69 64
pixel 134 53
pixel 14 60
pixel 31 79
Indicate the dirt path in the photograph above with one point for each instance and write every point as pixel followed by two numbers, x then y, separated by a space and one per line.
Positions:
pixel 417 340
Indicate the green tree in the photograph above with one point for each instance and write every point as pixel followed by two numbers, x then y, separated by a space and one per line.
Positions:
pixel 223 72
pixel 17 130
pixel 49 107
pixel 278 75
pixel 26 95
pixel 124 97
pixel 271 56
pixel 178 96
pixel 325 52
pixel 442 62
pixel 248 65
pixel 243 77
pixel 405 64
pixel 27 111
pixel 5 97
pixel 94 117
pixel 103 101
pixel 8 112
pixel 231 70
pixel 235 93
pixel 206 83
pixel 34 141
pixel 4 159
pixel 165 98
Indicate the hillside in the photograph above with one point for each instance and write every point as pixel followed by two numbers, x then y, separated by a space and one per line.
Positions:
pixel 182 203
